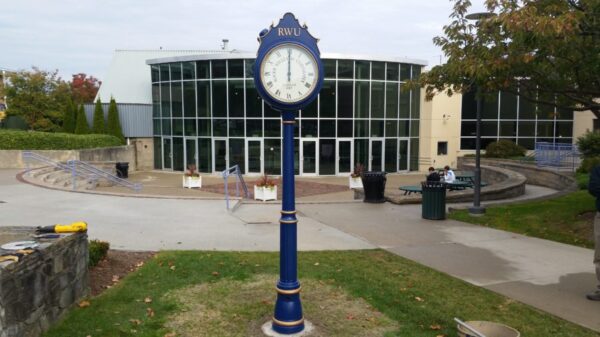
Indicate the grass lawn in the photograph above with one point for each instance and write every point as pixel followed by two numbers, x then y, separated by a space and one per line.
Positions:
pixel 567 219
pixel 420 301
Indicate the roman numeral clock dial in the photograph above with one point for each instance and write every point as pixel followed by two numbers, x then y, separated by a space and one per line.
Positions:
pixel 289 73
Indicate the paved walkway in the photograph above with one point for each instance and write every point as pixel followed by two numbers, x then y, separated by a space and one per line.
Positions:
pixel 550 276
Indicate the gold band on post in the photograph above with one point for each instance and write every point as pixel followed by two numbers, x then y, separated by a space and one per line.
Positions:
pixel 288 221
pixel 289 292
pixel 288 122
pixel 288 212
pixel 282 323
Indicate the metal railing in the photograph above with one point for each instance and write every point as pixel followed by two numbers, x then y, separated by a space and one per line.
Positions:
pixel 234 170
pixel 28 156
pixel 80 166
pixel 557 155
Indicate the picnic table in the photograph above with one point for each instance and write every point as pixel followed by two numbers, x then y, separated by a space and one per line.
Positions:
pixel 408 190
pixel 468 176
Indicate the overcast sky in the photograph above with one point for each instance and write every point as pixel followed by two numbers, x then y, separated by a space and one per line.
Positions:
pixel 80 35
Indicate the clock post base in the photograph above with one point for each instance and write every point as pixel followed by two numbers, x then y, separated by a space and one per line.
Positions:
pixel 288 317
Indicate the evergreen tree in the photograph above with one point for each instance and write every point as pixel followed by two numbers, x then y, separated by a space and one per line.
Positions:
pixel 81 127
pixel 69 117
pixel 113 125
pixel 98 125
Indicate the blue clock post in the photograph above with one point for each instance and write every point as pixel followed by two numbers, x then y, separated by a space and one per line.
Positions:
pixel 288 74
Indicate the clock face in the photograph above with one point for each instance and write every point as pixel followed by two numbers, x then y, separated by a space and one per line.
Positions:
pixel 289 73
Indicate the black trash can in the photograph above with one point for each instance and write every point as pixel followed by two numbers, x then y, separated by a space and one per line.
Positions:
pixel 433 206
pixel 374 186
pixel 122 170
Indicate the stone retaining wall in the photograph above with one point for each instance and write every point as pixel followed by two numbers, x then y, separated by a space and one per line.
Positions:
pixel 13 159
pixel 36 291
pixel 535 175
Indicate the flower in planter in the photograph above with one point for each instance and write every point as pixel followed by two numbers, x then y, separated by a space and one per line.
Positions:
pixel 358 170
pixel 191 172
pixel 264 181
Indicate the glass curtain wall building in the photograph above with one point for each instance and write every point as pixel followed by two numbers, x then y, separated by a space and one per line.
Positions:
pixel 206 111
pixel 514 118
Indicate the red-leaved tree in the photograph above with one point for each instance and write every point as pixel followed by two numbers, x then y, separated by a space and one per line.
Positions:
pixel 84 88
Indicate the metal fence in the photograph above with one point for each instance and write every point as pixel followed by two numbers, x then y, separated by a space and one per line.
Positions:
pixel 557 155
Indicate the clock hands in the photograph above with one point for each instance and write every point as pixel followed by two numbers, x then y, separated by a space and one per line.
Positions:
pixel 289 65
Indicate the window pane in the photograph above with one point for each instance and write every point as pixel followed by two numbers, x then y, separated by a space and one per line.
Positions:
pixel 155 100
pixel 344 128
pixel 204 155
pixel 190 127
pixel 202 69
pixel 362 100
pixel 508 129
pixel 489 129
pixel 526 129
pixel 189 99
pixel 326 156
pixel 489 108
pixel 236 153
pixel 361 151
pixel 272 128
pixel 415 101
pixel 236 98
pixel 154 75
pixel 175 71
pixel 414 128
pixel 377 128
pixel 249 68
pixel 310 110
pixel 469 105
pixel 253 101
pixel 272 156
pixel 220 127
pixel 188 70
pixel 391 155
pixel 270 112
pixel 416 71
pixel 164 73
pixel 391 129
pixel 218 69
pixel 190 152
pixel 166 127
pixel 345 69
pixel 327 99
pixel 564 129
pixel 361 128
pixel 564 113
pixel 157 153
pixel 378 71
pixel 362 70
pixel 176 99
pixel 377 99
pixel 403 128
pixel 309 128
pixel 404 103
pixel 508 106
pixel 391 100
pixel 219 98
pixel 236 128
pixel 414 154
pixel 203 98
pixel 467 143
pixel 177 126
pixel 165 99
pixel 326 128
pixel 526 109
pixel 178 154
pixel 329 66
pixel 528 143
pixel 204 127
pixel 254 128
pixel 156 123
pixel 236 68
pixel 545 129
pixel 404 72
pixel 392 72
pixel 468 129
pixel 345 99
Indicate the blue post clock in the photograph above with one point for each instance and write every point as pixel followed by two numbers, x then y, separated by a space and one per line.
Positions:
pixel 288 74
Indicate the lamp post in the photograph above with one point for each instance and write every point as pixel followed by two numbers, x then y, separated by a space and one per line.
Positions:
pixel 477 209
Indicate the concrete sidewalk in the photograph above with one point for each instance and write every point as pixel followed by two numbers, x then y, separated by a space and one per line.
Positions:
pixel 551 276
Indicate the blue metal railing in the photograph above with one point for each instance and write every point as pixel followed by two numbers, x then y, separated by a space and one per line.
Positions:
pixel 559 155
pixel 80 166
pixel 234 170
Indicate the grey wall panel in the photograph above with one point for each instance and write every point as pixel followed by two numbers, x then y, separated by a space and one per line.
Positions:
pixel 136 119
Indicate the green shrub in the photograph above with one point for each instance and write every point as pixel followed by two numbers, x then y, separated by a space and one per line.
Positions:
pixel 81 126
pixel 588 164
pixel 589 144
pixel 98 124
pixel 35 140
pixel 504 149
pixel 113 125
pixel 98 250
pixel 582 180
pixel 70 113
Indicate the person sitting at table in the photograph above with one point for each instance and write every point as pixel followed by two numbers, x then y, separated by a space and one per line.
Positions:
pixel 449 176
pixel 433 175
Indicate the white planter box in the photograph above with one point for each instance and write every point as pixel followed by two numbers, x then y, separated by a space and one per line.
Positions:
pixel 355 182
pixel 192 182
pixel 265 193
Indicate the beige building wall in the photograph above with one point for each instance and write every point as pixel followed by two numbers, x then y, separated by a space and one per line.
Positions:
pixel 583 121
pixel 440 122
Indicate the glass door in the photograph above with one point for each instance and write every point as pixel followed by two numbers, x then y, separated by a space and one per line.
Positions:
pixel 376 150
pixel 220 155
pixel 345 151
pixel 254 160
pixel 403 155
pixel 308 157
pixel 167 154
pixel 190 153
